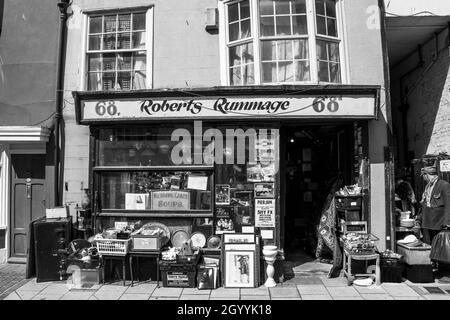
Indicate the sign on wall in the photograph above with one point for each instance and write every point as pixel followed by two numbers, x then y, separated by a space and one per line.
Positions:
pixel 265 213
pixel 170 201
pixel 285 106
pixel 444 165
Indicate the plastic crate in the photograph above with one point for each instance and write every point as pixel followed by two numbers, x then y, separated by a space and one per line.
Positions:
pixel 419 273
pixel 113 247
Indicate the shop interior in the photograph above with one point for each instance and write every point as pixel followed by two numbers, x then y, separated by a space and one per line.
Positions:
pixel 314 156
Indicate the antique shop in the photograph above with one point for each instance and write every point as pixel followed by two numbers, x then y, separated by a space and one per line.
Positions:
pixel 225 167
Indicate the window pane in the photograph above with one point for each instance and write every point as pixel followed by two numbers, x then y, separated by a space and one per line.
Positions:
pixel 245 29
pixel 123 41
pixel 124 80
pixel 245 9
pixel 333 52
pixel 284 50
pixel 247 53
pixel 323 72
pixel 285 71
pixel 335 73
pixel 139 80
pixel 235 75
pixel 95 62
pixel 302 71
pixel 95 81
pixel 320 7
pixel 300 25
pixel 268 50
pixel 95 42
pixel 140 61
pixel 235 56
pixel 269 71
pixel 283 25
pixel 301 49
pixel 321 50
pixel 331 8
pixel 95 25
pixel 331 24
pixel 299 7
pixel 110 23
pixel 282 7
pixel 266 7
pixel 248 73
pixel 125 22
pixel 233 12
pixel 109 62
pixel 109 41
pixel 124 61
pixel 139 21
pixel 321 28
pixel 109 81
pixel 234 31
pixel 138 40
pixel 267 26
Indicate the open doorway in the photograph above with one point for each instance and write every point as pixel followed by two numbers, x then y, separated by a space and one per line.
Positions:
pixel 314 156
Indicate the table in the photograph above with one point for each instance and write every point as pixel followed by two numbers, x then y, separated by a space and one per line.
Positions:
pixel 144 254
pixel 106 257
pixel 347 266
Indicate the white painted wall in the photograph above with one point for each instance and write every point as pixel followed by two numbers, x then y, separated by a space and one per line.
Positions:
pixel 410 7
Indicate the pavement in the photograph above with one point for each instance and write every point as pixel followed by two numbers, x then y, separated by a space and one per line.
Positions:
pixel 298 288
pixel 11 276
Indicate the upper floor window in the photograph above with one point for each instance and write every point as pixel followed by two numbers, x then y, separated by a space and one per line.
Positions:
pixel 118 51
pixel 282 41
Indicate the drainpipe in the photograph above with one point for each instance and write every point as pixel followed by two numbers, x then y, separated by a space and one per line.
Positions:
pixel 62 6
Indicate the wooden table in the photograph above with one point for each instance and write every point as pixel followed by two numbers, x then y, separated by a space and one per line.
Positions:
pixel 144 254
pixel 103 259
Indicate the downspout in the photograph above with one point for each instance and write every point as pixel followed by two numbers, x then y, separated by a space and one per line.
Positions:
pixel 62 6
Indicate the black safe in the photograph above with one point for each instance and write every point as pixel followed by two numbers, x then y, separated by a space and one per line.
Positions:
pixel 51 239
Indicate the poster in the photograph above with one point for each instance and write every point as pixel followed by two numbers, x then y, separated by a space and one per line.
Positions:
pixel 265 213
pixel 444 165
pixel 170 200
pixel 197 182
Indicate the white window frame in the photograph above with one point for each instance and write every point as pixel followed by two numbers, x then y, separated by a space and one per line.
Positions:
pixel 148 40
pixel 312 36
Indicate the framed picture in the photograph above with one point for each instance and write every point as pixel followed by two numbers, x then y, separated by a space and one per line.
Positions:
pixel 239 268
pixel 264 190
pixel 222 194
pixel 224 211
pixel 224 225
pixel 243 198
pixel 239 238
pixel 244 215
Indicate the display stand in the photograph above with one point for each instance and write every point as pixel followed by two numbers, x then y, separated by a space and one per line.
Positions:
pixel 144 254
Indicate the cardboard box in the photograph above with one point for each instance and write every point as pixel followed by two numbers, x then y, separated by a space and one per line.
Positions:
pixel 142 243
pixel 137 201
pixel 57 212
pixel 415 255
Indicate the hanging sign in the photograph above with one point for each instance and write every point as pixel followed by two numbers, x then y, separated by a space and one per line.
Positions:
pixel 265 213
pixel 285 106
pixel 444 165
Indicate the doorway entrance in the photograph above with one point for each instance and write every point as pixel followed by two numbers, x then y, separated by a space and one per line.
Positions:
pixel 27 196
pixel 314 156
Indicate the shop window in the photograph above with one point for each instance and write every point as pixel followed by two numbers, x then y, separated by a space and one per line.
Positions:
pixel 273 41
pixel 118 51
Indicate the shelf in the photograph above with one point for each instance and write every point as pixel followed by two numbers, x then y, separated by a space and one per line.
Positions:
pixel 146 214
pixel 154 168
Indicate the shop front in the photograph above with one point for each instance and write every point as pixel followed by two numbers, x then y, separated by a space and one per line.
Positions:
pixel 204 163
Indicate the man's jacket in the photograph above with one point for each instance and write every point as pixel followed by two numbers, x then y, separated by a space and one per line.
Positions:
pixel 438 214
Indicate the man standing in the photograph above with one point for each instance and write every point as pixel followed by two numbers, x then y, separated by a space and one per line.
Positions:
pixel 435 205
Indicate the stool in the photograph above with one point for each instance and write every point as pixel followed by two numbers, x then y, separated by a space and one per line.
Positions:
pixel 103 259
pixel 144 254
pixel 347 266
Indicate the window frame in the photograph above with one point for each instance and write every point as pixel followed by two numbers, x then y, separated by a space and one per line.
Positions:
pixel 312 37
pixel 148 10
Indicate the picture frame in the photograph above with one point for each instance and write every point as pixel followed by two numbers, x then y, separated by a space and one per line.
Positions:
pixel 224 211
pixel 239 238
pixel 265 190
pixel 222 194
pixel 239 269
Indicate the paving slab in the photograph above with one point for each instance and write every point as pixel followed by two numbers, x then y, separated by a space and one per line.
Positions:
pixel 167 292
pixel 261 291
pixel 47 297
pixel 135 296
pixel 343 291
pixel 195 291
pixel 56 289
pixel 27 295
pixel 399 290
pixel 163 298
pixel 348 298
pixel 419 290
pixel 34 286
pixel 12 296
pixel 312 290
pixel 376 296
pixel 410 298
pixel 232 293
pixel 245 297
pixel 334 282
pixel 437 297
pixel 316 297
pixel 72 295
pixel 304 280
pixel 287 292
pixel 286 298
pixel 144 288
pixel 194 297
pixel 370 289
pixel 108 295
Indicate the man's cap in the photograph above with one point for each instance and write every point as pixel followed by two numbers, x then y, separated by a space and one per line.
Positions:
pixel 429 170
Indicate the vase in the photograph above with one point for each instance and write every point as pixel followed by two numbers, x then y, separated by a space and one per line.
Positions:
pixel 85 200
pixel 270 255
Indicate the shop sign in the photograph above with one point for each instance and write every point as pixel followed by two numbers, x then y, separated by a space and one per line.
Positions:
pixel 265 213
pixel 444 165
pixel 170 200
pixel 361 106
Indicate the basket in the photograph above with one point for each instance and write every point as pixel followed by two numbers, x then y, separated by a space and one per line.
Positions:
pixel 113 247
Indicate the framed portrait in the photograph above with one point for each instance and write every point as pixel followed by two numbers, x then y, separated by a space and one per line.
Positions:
pixel 265 190
pixel 222 196
pixel 239 268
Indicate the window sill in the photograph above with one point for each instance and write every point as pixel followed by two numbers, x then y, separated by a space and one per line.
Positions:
pixel 155 214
